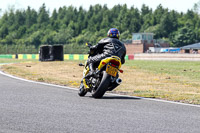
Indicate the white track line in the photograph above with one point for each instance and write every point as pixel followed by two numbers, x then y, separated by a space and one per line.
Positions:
pixel 158 100
pixel 111 94
pixel 31 81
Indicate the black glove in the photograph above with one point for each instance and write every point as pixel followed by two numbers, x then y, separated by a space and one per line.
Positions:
pixel 92 50
pixel 93 47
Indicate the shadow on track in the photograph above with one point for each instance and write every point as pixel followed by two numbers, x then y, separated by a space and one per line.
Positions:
pixel 117 97
pixel 120 97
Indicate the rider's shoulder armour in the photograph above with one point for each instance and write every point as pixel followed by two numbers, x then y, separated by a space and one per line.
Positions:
pixel 105 40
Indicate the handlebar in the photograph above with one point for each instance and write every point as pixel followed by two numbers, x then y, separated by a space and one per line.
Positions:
pixel 88 44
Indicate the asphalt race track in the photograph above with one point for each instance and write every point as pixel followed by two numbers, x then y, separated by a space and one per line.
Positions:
pixel 29 107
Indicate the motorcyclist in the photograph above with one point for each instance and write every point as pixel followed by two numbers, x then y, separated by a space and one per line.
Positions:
pixel 107 47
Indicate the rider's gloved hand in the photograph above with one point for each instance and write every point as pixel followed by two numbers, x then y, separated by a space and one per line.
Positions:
pixel 92 50
pixel 93 47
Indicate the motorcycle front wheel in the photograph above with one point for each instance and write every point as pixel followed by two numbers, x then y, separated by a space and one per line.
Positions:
pixel 82 92
pixel 103 86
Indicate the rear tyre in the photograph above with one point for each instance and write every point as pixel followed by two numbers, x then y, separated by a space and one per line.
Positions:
pixel 103 86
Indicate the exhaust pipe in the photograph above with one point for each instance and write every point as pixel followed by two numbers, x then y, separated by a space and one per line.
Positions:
pixel 118 81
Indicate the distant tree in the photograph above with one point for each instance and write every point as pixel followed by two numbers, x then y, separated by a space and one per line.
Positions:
pixel 54 22
pixel 123 18
pixel 63 36
pixel 166 25
pixel 20 18
pixel 31 17
pixel 3 31
pixel 147 22
pixel 35 38
pixel 43 17
pixel 158 13
pixel 184 36
pixel 145 10
pixel 135 22
pixel 174 16
pixel 196 7
pixel 125 35
pixel 48 37
pixel 11 16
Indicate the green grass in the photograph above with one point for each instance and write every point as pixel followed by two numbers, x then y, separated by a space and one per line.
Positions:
pixel 187 69
pixel 170 80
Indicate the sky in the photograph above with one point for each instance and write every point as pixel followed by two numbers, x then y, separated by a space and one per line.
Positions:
pixel 178 5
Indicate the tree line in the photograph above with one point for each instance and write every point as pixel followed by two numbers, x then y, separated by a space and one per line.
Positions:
pixel 23 31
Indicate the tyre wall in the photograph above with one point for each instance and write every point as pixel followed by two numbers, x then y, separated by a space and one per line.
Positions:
pixel 66 56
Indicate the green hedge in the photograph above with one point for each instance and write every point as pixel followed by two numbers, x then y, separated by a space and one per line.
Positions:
pixel 6 56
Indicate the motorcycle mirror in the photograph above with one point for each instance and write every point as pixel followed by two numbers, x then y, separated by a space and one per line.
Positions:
pixel 88 44
pixel 81 64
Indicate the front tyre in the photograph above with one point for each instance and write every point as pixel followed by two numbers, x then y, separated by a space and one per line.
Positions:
pixel 103 86
pixel 82 92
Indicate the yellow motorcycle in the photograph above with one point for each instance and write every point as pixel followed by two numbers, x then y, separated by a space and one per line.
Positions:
pixel 106 77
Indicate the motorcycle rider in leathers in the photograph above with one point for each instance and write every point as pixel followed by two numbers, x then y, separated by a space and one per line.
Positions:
pixel 106 47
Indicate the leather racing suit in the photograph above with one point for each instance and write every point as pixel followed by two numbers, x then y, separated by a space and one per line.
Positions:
pixel 107 47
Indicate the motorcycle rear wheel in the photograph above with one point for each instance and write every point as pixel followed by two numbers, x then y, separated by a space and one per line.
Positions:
pixel 103 86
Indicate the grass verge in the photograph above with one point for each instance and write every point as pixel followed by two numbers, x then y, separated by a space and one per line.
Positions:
pixel 175 81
